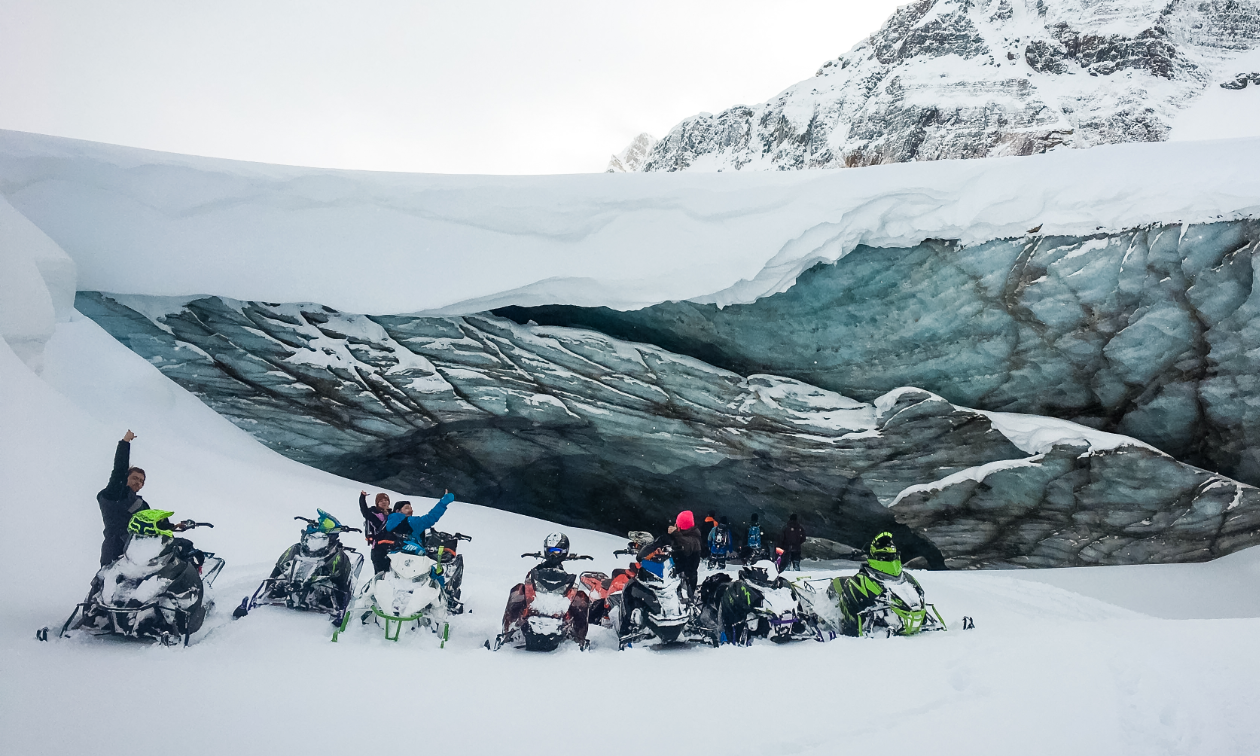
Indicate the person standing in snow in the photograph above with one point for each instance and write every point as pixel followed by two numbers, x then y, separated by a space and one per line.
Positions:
pixel 752 546
pixel 710 522
pixel 687 546
pixel 720 544
pixel 374 529
pixel 120 500
pixel 792 540
pixel 409 529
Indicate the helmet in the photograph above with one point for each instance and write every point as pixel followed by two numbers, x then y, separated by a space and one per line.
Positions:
pixel 883 556
pixel 556 546
pixel 145 523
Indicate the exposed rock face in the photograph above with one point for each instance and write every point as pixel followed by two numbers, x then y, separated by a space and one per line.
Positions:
pixel 633 156
pixel 1242 80
pixel 969 79
pixel 589 430
pixel 1152 332
pixel 1074 506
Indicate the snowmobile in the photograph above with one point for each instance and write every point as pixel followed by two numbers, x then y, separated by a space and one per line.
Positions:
pixel 157 590
pixel 548 607
pixel 443 549
pixel 898 609
pixel 882 600
pixel 655 604
pixel 316 574
pixel 763 604
pixel 408 595
pixel 604 591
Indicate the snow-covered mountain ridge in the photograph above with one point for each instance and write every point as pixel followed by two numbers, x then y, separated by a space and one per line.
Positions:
pixel 983 78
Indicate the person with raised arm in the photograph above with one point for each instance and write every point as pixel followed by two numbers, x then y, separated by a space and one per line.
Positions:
pixel 374 531
pixel 120 500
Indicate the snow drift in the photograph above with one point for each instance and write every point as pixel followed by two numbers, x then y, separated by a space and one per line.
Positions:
pixel 140 222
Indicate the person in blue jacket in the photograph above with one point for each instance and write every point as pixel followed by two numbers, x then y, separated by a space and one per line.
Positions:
pixel 409 528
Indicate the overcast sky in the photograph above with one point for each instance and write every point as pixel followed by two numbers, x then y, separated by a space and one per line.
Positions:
pixel 470 86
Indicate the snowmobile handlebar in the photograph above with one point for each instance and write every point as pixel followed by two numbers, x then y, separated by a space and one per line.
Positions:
pixel 190 524
pixel 625 552
pixel 568 558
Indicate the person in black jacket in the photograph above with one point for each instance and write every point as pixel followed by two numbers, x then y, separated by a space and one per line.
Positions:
pixel 120 499
pixel 374 530
pixel 792 541
pixel 688 547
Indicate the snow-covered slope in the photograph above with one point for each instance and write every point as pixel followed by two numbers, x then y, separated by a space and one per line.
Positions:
pixel 984 78
pixel 1060 661
pixel 140 222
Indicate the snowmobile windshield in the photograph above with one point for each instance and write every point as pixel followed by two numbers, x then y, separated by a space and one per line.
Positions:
pixel 888 567
pixel 145 522
pixel 324 523
pixel 552 580
pixel 655 568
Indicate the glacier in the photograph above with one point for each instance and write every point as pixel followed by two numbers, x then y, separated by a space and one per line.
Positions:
pixel 1150 332
pixel 602 433
pixel 485 326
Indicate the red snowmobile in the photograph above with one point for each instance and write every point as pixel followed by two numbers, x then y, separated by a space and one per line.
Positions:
pixel 549 606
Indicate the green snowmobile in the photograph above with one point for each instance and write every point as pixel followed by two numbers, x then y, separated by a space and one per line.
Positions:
pixel 882 600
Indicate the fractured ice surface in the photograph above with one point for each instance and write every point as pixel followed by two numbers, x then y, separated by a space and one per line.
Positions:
pixel 1150 332
pixel 590 430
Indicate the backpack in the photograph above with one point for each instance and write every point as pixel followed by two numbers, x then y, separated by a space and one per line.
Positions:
pixel 721 539
pixel 754 537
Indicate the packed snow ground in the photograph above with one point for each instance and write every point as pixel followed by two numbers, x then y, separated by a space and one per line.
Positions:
pixel 142 222
pixel 1137 660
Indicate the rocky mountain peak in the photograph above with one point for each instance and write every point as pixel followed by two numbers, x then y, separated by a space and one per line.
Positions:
pixel 983 78
pixel 633 156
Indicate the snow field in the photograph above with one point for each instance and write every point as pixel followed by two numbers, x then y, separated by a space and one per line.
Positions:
pixel 1062 661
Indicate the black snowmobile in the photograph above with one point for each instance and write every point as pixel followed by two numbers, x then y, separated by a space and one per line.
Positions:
pixel 549 606
pixel 443 548
pixel 316 574
pixel 760 604
pixel 156 590
pixel 882 599
pixel 655 604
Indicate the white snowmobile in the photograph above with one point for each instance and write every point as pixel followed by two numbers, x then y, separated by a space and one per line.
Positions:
pixel 407 596
pixel 157 590
pixel 656 604
pixel 316 574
